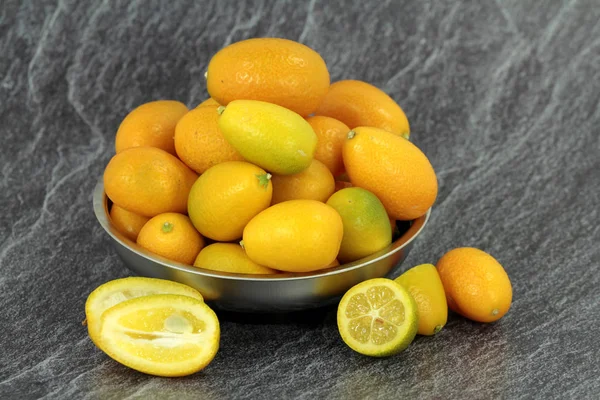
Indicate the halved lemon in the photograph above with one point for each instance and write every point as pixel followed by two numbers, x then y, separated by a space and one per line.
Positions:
pixel 377 318
pixel 163 334
pixel 116 291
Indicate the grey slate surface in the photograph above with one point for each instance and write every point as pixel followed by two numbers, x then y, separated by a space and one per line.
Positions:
pixel 503 97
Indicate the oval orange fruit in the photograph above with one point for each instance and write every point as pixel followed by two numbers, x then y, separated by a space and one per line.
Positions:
pixel 392 168
pixel 150 124
pixel 366 224
pixel 294 236
pixel 331 134
pixel 274 70
pixel 268 135
pixel 148 181
pixel 358 103
pixel 476 285
pixel 127 222
pixel 199 142
pixel 226 197
pixel 314 183
pixel 424 284
pixel 172 236
pixel 229 257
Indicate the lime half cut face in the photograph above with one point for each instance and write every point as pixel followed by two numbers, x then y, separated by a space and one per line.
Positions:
pixel 377 317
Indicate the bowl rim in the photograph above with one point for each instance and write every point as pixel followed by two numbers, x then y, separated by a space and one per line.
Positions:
pixel 100 204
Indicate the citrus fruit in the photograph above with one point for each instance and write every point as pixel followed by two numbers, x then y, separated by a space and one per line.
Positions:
pixel 314 183
pixel 229 257
pixel 294 236
pixel 377 318
pixel 274 70
pixel 127 222
pixel 393 168
pixel 358 103
pixel 476 285
pixel 162 334
pixel 148 181
pixel 331 134
pixel 116 291
pixel 268 135
pixel 424 284
pixel 208 102
pixel 366 224
pixel 199 142
pixel 151 124
pixel 172 236
pixel 226 197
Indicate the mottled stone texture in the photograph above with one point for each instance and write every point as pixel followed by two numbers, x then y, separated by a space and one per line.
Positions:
pixel 503 96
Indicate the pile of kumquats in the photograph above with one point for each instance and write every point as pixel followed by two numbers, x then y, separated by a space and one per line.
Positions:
pixel 278 170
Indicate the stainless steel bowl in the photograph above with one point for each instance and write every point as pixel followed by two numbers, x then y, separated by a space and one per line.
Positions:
pixel 260 293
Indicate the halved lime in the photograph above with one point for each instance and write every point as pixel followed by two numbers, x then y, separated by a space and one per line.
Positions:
pixel 116 291
pixel 161 334
pixel 377 318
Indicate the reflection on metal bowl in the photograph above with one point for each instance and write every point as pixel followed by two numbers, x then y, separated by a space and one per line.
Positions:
pixel 262 293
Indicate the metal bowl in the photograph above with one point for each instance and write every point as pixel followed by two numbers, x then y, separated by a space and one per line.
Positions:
pixel 261 293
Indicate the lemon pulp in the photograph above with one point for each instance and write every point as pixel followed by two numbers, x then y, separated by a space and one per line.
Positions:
pixel 164 335
pixel 377 317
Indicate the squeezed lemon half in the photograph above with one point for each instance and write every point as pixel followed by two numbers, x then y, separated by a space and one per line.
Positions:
pixel 377 318
pixel 162 334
